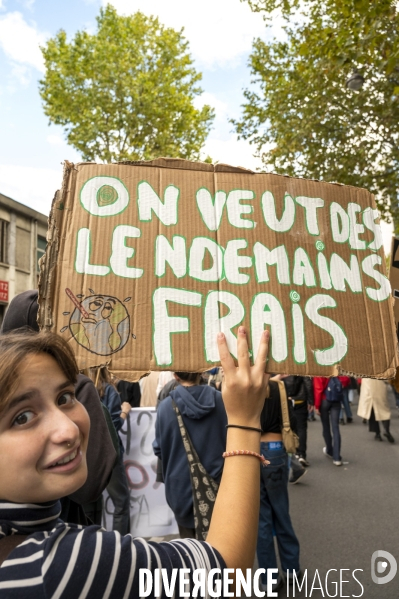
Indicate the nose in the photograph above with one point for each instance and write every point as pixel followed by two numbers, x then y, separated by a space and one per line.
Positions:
pixel 62 428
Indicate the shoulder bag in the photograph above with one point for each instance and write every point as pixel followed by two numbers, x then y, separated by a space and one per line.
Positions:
pixel 203 486
pixel 290 439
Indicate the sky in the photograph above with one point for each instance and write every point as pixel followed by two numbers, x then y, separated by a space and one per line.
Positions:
pixel 220 33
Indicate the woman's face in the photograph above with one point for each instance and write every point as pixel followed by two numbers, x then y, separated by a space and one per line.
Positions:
pixel 44 432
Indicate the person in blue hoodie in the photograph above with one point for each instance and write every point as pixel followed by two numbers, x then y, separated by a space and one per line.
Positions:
pixel 204 417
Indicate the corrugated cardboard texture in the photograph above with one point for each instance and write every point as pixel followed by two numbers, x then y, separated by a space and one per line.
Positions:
pixel 327 301
pixel 394 279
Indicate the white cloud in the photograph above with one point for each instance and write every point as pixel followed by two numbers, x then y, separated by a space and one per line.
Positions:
pixel 34 187
pixel 387 232
pixel 231 151
pixel 55 140
pixel 21 41
pixel 219 31
pixel 210 99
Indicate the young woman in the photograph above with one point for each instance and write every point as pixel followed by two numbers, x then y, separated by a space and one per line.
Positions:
pixel 43 439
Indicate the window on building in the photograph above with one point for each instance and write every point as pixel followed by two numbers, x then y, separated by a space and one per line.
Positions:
pixel 3 241
pixel 41 248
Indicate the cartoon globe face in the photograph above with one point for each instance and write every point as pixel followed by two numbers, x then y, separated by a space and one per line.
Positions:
pixel 105 327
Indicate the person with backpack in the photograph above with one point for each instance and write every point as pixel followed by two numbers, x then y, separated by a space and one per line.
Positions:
pixel 328 396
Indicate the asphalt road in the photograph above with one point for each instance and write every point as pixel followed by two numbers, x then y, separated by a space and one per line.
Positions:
pixel 342 515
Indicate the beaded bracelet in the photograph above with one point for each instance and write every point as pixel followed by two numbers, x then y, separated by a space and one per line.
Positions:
pixel 230 454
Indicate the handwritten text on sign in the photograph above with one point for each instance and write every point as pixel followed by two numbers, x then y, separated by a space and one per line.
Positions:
pixel 239 263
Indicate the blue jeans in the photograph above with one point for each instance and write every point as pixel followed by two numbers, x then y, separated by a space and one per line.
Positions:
pixel 329 414
pixel 274 514
pixel 347 407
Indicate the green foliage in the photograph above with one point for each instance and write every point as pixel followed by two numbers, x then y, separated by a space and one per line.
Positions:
pixel 126 92
pixel 301 117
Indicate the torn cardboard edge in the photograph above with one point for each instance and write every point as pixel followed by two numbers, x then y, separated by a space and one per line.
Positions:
pixel 49 266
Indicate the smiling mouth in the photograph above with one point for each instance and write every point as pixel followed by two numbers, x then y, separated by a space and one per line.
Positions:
pixel 66 459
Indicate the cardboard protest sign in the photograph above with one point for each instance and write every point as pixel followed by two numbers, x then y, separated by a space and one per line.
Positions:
pixel 147 261
pixel 394 279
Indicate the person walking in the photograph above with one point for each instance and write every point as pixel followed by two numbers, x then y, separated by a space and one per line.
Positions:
pixel 274 514
pixel 374 407
pixel 329 411
pixel 300 392
pixel 345 405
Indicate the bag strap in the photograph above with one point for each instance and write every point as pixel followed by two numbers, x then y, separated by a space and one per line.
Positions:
pixel 184 434
pixel 284 405
pixel 8 544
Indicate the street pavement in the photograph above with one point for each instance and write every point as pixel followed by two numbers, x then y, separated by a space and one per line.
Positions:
pixel 342 515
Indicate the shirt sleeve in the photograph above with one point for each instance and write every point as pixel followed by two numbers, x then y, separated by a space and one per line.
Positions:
pixel 319 386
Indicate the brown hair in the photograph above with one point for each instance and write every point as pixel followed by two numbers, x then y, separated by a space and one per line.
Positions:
pixel 16 346
pixel 189 377
pixel 100 377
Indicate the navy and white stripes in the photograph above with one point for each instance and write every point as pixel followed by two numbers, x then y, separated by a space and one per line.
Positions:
pixel 67 561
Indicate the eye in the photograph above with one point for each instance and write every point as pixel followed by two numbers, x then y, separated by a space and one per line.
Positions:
pixel 23 418
pixel 66 398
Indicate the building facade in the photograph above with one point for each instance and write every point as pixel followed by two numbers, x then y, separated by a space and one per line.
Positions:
pixel 22 242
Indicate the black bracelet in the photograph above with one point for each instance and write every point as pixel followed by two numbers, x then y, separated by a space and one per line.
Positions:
pixel 246 428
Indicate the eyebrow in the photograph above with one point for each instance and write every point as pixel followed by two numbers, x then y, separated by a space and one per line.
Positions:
pixel 30 394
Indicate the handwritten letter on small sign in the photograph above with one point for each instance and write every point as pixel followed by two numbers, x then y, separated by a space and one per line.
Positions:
pixel 146 262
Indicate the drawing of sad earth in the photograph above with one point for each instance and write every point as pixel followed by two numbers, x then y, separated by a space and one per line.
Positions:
pixel 99 323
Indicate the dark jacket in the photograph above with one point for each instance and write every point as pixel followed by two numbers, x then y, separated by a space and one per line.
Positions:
pixel 205 420
pixel 299 389
pixel 112 401
pixel 129 392
pixel 101 455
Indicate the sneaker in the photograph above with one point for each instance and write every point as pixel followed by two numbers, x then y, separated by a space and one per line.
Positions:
pixel 389 437
pixel 296 476
pixel 349 420
pixel 327 454
pixel 337 463
pixel 342 421
pixel 303 461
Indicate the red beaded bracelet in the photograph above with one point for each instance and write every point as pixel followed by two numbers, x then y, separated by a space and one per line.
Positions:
pixel 230 454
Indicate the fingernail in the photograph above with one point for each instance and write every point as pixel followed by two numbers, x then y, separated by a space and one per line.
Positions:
pixel 266 334
pixel 241 330
pixel 220 335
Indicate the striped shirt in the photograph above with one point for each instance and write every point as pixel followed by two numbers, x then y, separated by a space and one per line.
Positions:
pixel 68 561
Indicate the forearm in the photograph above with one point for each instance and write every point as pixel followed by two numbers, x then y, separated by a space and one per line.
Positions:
pixel 234 524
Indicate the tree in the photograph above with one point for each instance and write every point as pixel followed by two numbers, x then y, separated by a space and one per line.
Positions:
pixel 126 92
pixel 302 118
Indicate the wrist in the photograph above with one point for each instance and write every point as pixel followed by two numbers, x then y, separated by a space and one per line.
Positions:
pixel 252 422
